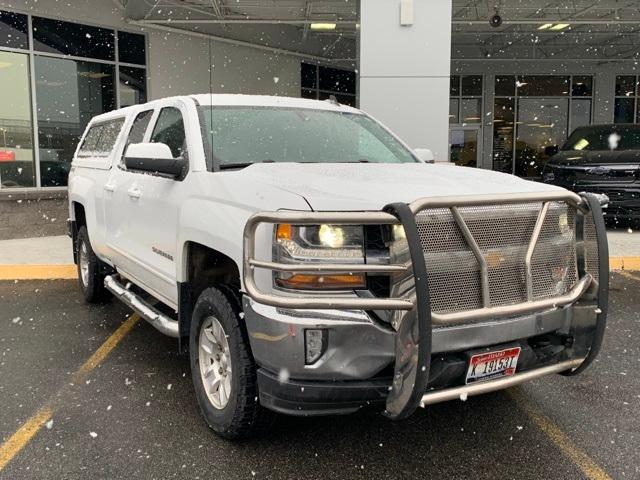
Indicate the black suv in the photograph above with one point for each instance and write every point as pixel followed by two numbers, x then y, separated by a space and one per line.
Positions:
pixel 600 159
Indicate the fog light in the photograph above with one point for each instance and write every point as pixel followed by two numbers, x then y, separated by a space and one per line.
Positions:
pixel 315 342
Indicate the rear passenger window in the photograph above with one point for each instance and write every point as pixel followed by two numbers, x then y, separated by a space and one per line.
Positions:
pixel 101 138
pixel 169 129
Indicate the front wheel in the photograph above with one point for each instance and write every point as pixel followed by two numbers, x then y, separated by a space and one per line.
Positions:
pixel 222 367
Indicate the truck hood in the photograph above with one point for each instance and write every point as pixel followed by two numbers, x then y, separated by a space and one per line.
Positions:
pixel 370 186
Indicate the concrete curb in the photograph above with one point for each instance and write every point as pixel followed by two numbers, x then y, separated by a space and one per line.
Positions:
pixel 66 272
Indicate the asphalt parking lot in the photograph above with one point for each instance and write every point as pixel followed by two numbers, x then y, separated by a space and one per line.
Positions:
pixel 130 412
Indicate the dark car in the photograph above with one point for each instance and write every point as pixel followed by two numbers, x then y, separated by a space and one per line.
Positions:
pixel 600 159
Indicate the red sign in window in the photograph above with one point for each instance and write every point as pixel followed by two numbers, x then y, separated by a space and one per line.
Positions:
pixel 7 156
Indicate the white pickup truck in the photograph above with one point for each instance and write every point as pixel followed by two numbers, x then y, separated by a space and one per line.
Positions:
pixel 311 263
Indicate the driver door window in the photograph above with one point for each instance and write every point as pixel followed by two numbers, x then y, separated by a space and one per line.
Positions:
pixel 169 129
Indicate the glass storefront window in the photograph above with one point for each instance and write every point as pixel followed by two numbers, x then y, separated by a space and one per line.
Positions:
pixel 582 86
pixel 463 145
pixel 472 85
pixel 454 107
pixel 66 38
pixel 131 48
pixel 580 113
pixel 542 86
pixel 471 110
pixel 13 30
pixel 503 123
pixel 505 86
pixel 543 112
pixel 454 86
pixel 321 83
pixel 465 102
pixel 541 123
pixel 133 86
pixel 17 166
pixel 626 101
pixel 623 110
pixel 625 86
pixel 69 93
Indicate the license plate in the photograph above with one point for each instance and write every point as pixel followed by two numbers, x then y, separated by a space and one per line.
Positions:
pixel 490 365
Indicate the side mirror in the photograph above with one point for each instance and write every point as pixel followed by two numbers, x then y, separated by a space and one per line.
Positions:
pixel 551 150
pixel 154 158
pixel 424 155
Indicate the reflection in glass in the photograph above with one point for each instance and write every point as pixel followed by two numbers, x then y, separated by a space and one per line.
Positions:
pixel 13 30
pixel 56 36
pixel 541 123
pixel 454 85
pixel 472 85
pixel 543 86
pixel 623 110
pixel 470 110
pixel 463 144
pixel 503 114
pixel 454 105
pixel 131 48
pixel 69 94
pixel 308 75
pixel 625 86
pixel 16 144
pixel 505 85
pixel 582 86
pixel 580 112
pixel 133 86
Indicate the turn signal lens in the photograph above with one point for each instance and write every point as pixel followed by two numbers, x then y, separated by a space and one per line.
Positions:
pixel 321 282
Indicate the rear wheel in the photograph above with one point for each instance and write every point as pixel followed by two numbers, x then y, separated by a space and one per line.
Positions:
pixel 222 367
pixel 90 274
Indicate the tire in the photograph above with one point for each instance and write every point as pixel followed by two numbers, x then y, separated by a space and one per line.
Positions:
pixel 90 276
pixel 216 326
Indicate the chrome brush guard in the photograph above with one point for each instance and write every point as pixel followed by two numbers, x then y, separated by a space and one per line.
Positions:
pixel 409 304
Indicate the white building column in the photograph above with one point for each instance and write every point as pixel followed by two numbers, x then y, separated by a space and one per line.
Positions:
pixel 404 69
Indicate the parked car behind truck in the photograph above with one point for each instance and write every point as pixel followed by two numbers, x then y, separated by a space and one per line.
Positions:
pixel 311 264
pixel 601 159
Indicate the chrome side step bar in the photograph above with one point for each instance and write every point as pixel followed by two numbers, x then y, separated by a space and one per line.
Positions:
pixel 492 385
pixel 159 320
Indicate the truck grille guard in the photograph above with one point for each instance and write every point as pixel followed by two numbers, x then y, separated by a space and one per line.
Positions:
pixel 413 318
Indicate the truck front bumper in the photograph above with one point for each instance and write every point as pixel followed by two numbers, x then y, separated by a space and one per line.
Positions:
pixel 355 369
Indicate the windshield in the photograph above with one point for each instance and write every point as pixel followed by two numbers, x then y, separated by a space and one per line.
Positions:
pixel 607 138
pixel 244 135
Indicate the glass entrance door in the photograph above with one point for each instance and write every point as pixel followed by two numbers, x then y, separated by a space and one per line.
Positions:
pixel 464 147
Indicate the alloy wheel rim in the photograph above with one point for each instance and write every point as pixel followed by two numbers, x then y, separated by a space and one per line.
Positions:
pixel 84 264
pixel 215 362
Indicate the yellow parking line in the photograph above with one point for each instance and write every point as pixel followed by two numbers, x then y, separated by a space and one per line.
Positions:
pixel 17 441
pixel 38 272
pixel 579 457
pixel 624 263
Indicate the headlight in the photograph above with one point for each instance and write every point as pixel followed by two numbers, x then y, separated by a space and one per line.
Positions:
pixel 319 244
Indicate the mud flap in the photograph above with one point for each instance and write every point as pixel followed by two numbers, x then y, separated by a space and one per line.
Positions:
pixel 413 329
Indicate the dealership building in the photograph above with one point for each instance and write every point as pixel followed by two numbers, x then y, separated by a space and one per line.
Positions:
pixel 482 84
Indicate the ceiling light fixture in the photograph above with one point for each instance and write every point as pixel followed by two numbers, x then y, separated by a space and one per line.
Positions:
pixel 323 26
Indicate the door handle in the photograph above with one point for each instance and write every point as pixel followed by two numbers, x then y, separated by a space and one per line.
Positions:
pixel 109 187
pixel 134 192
